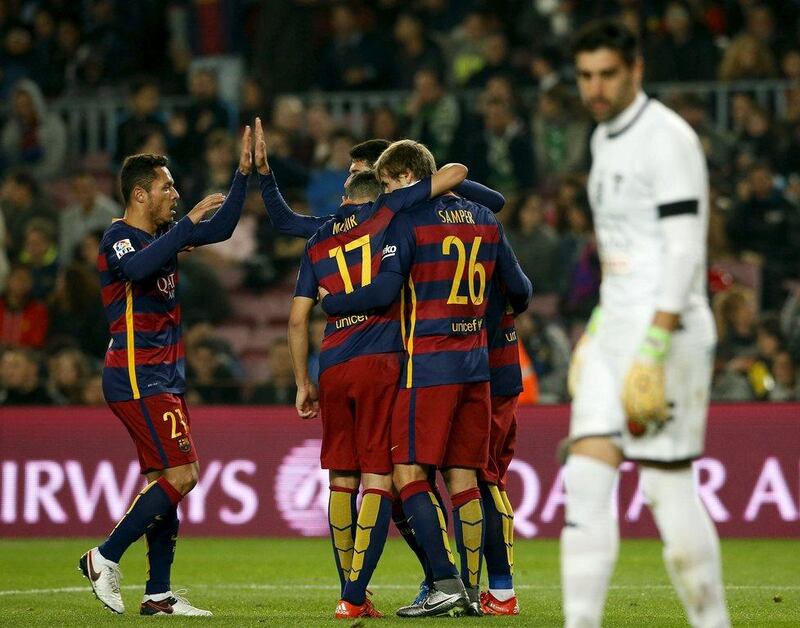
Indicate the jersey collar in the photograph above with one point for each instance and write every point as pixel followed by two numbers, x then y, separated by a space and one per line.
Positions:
pixel 625 120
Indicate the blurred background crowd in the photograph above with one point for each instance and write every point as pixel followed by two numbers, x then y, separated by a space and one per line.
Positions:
pixel 489 84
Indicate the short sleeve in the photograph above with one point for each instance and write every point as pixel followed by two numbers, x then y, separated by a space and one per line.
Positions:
pixel 676 168
pixel 307 284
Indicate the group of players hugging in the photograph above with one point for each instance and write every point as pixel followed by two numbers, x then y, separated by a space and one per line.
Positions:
pixel 419 369
pixel 419 365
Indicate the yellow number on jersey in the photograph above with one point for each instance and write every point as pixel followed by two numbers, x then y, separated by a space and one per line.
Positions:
pixel 475 268
pixel 366 261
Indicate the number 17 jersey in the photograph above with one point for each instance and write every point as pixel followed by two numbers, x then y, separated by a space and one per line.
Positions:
pixel 345 254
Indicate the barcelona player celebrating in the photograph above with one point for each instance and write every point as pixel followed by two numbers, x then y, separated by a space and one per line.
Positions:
pixel 144 373
pixel 439 259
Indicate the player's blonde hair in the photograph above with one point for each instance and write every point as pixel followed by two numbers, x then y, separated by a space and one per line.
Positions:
pixel 406 155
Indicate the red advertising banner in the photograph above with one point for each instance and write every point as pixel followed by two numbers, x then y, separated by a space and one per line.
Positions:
pixel 73 472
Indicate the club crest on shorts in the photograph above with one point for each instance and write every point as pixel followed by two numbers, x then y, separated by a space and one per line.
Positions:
pixel 184 444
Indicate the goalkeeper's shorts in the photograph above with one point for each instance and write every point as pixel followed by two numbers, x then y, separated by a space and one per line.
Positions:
pixel 597 406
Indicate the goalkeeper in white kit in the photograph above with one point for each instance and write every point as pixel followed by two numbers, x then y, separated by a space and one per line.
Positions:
pixel 640 376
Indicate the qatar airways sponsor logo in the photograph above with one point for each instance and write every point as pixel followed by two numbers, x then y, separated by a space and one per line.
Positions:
pixel 64 492
pixel 770 493
pixel 166 285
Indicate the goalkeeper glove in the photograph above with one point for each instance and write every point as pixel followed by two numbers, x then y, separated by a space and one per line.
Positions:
pixel 579 353
pixel 643 396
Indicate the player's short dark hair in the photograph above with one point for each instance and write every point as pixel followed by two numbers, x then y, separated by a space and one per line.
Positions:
pixel 369 151
pixel 363 185
pixel 606 33
pixel 139 170
pixel 406 155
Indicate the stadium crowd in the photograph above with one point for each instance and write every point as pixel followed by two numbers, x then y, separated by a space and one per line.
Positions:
pixel 235 294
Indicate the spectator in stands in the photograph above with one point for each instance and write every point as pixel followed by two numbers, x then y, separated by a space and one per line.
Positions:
pixel 578 259
pixel 545 66
pixel 324 189
pixel 19 379
pixel 747 58
pixel 44 53
pixel 716 144
pixel 497 61
pixel 354 59
pixel 502 156
pixel 769 343
pixel 280 389
pixel 760 23
pixel 40 254
pixel 433 114
pixel 144 117
pixel 548 347
pixel 289 117
pixel 198 281
pixel 76 311
pixel 466 47
pixel 93 391
pixel 790 321
pixel 20 202
pixel 735 316
pixel 33 137
pixel 109 44
pixel 786 385
pixel 414 51
pixel 764 228
pixel 685 51
pixel 757 138
pixel 65 65
pixel 189 129
pixel 89 249
pixel 536 244
pixel 214 174
pixel 790 64
pixel 384 124
pixel 252 101
pixel 210 376
pixel 4 263
pixel 320 130
pixel 23 320
pixel 90 211
pixel 560 134
pixel 17 57
pixel 68 371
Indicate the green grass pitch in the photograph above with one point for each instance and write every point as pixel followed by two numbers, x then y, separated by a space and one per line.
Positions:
pixel 276 582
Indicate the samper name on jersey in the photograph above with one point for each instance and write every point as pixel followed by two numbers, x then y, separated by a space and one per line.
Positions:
pixel 456 216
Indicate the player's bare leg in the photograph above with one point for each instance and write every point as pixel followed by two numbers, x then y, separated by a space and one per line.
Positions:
pixel 691 544
pixel 447 595
pixel 161 538
pixel 342 516
pixel 590 538
pixel 462 485
pixel 372 528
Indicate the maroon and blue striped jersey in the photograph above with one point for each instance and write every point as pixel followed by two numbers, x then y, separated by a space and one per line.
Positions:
pixel 447 250
pixel 145 356
pixel 139 282
pixel 344 255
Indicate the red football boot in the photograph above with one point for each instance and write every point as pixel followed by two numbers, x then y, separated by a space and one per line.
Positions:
pixel 490 605
pixel 346 610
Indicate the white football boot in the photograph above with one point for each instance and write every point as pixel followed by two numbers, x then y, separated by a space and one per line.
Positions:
pixel 104 576
pixel 173 604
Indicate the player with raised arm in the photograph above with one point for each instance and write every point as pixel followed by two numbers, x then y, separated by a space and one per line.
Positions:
pixel 359 369
pixel 447 250
pixel 642 374
pixel 342 504
pixel 144 372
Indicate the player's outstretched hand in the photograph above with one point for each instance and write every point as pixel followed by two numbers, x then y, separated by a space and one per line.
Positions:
pixel 246 156
pixel 262 165
pixel 209 203
pixel 307 401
